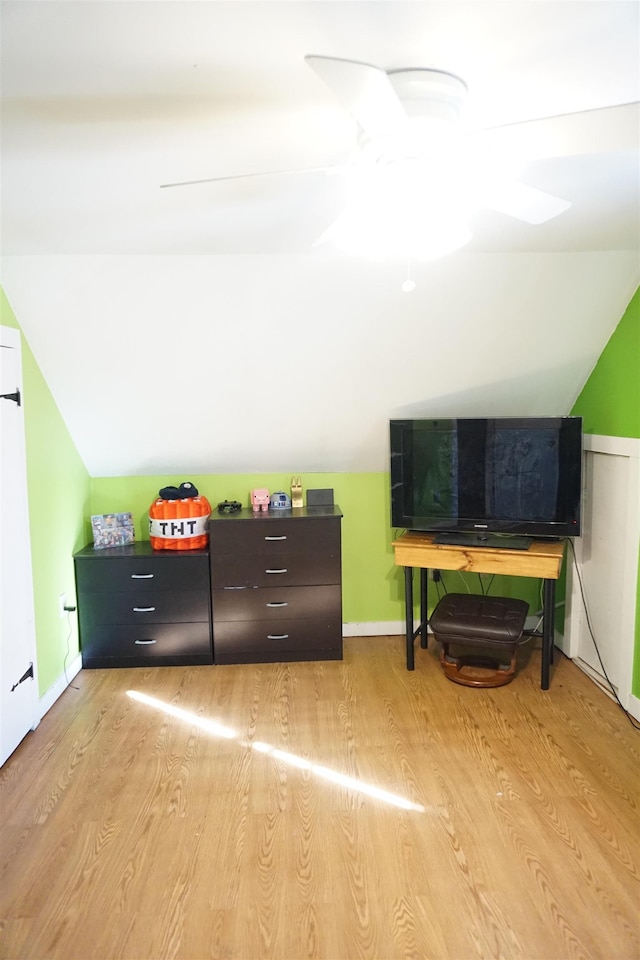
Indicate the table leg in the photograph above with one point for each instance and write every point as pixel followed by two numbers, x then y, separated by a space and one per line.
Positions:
pixel 548 616
pixel 424 618
pixel 408 609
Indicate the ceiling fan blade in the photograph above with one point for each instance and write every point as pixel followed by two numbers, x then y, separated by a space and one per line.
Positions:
pixel 329 169
pixel 524 202
pixel 603 130
pixel 364 90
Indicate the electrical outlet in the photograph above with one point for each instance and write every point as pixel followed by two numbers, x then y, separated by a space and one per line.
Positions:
pixel 62 602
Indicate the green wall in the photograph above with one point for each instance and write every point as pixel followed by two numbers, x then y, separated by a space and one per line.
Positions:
pixel 58 490
pixel 372 585
pixel 610 399
pixel 610 406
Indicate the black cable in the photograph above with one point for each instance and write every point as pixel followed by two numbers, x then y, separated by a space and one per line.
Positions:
pixel 485 589
pixel 632 720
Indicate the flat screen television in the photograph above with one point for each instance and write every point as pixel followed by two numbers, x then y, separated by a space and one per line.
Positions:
pixel 487 480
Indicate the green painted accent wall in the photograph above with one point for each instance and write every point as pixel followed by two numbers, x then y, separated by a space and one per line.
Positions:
pixel 609 404
pixel 372 585
pixel 58 491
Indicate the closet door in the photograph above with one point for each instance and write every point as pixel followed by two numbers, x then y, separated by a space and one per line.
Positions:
pixel 18 694
pixel 607 561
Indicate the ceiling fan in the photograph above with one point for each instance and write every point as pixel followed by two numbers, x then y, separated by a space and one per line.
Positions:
pixel 424 181
pixel 419 175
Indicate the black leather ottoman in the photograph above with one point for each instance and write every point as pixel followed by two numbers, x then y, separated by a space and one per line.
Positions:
pixel 493 623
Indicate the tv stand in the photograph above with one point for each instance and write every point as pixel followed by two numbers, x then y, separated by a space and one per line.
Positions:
pixel 543 559
pixel 497 541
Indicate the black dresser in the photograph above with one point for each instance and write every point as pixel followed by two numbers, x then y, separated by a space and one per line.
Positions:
pixel 143 607
pixel 276 585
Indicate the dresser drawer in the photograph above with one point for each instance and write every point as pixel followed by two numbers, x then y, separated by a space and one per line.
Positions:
pixel 252 641
pixel 277 535
pixel 157 644
pixel 276 603
pixel 168 606
pixel 260 570
pixel 142 574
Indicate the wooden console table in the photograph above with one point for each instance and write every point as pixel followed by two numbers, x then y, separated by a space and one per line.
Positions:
pixel 543 559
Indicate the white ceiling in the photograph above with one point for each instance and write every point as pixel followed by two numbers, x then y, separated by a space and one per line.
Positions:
pixel 292 356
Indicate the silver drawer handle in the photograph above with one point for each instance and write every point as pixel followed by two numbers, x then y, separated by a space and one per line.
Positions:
pixel 275 538
pixel 277 636
pixel 280 603
pixel 143 609
pixel 142 576
pixel 283 570
pixel 142 643
pixel 234 588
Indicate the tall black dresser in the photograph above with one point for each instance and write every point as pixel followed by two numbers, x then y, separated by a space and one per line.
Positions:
pixel 276 585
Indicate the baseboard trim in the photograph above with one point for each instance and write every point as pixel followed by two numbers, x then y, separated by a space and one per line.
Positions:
pixel 57 688
pixel 633 706
pixel 390 628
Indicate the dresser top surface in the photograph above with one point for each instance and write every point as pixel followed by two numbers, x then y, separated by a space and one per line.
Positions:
pixel 299 513
pixel 141 548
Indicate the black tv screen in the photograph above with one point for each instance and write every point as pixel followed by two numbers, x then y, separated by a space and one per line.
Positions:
pixel 480 476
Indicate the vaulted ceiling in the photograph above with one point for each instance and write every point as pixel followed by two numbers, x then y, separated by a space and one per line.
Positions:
pixel 200 328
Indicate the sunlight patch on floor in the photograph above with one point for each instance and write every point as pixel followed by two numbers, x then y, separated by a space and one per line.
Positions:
pixel 326 773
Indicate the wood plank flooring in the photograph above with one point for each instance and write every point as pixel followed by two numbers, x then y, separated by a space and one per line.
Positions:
pixel 331 810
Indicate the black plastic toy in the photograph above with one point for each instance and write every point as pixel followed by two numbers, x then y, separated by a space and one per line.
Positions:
pixel 229 506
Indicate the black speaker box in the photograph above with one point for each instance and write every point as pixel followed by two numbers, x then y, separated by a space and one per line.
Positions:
pixel 320 498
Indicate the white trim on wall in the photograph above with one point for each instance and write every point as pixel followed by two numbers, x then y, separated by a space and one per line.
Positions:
pixel 389 628
pixel 56 689
pixel 618 446
pixel 575 624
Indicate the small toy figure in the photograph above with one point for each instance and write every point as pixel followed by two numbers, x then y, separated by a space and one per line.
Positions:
pixel 280 501
pixel 260 500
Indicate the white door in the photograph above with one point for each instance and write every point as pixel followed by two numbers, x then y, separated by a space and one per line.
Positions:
pixel 18 692
pixel 607 560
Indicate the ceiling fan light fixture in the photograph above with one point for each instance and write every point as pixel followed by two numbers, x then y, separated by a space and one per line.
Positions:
pixel 412 209
pixel 419 137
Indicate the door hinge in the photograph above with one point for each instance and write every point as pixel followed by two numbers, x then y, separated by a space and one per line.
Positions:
pixel 25 676
pixel 11 396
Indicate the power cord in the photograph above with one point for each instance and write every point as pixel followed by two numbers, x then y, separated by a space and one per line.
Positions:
pixel 632 720
pixel 485 588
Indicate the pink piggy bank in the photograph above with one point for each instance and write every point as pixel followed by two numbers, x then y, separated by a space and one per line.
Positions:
pixel 260 500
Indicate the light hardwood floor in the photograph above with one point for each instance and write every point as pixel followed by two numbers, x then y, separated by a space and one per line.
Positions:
pixel 130 832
